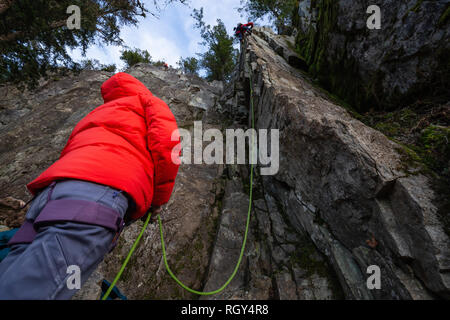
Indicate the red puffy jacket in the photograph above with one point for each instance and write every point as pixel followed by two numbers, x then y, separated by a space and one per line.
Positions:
pixel 125 143
pixel 242 27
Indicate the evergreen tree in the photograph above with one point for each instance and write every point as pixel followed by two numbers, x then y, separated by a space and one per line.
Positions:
pixel 94 64
pixel 220 58
pixel 35 37
pixel 134 56
pixel 159 63
pixel 190 65
pixel 280 12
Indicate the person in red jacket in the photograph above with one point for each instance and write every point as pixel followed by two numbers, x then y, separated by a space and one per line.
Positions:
pixel 120 161
pixel 241 29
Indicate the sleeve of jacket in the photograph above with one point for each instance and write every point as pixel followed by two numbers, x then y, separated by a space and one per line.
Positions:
pixel 163 142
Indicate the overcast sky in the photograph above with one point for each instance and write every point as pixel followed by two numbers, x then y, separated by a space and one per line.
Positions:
pixel 172 35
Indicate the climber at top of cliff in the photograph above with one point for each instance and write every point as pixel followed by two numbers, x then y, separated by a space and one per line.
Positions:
pixel 241 29
pixel 119 161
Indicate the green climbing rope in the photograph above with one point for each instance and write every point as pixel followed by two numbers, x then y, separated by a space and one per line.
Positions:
pixel 246 226
pixel 127 258
pixel 162 237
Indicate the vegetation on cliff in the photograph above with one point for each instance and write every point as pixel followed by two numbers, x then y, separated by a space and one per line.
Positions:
pixel 220 58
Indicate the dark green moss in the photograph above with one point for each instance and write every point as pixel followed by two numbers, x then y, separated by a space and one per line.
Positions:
pixel 308 258
pixel 416 6
pixel 411 163
pixel 422 134
pixel 414 9
pixel 434 148
pixel 341 75
pixel 338 73
pixel 444 17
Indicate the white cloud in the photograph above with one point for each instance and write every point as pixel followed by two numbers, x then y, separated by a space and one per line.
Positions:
pixel 104 54
pixel 226 10
pixel 160 48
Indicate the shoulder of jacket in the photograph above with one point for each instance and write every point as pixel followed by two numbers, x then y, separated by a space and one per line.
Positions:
pixel 146 99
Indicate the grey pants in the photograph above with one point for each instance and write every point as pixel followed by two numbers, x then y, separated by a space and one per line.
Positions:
pixel 40 270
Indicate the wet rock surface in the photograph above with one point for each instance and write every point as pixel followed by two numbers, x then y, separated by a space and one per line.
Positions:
pixel 406 59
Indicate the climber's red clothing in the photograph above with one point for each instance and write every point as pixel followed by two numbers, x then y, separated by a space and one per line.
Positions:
pixel 125 143
pixel 243 28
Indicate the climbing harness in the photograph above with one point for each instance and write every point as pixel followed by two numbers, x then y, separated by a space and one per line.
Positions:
pixel 136 242
pixel 81 211
pixel 130 253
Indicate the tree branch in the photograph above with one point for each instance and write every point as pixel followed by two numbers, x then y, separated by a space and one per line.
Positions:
pixel 14 35
pixel 5 5
pixel 54 25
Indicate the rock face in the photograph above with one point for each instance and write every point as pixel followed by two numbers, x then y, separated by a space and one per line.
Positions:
pixel 340 202
pixel 343 183
pixel 35 128
pixel 406 59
